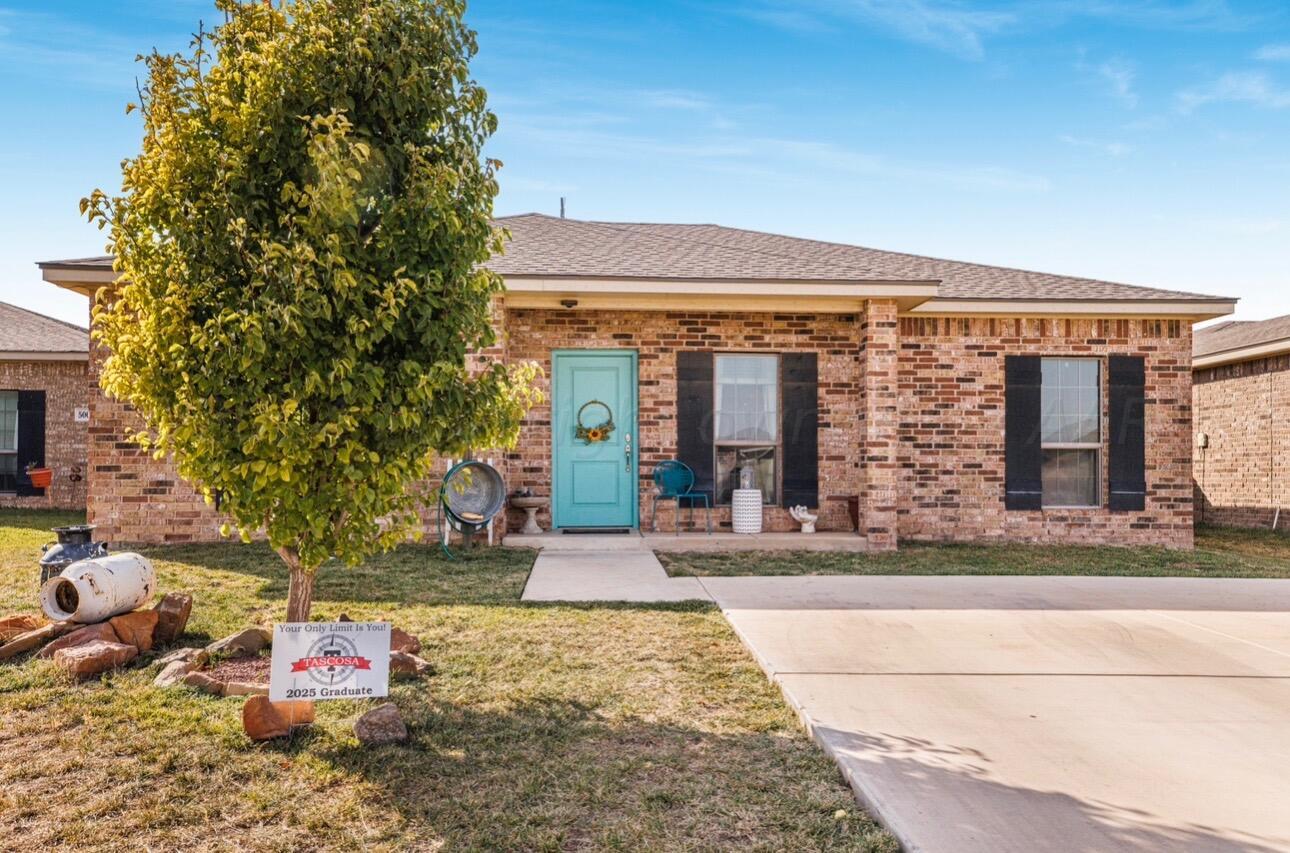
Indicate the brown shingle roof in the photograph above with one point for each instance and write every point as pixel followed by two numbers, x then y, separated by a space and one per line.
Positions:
pixel 1223 337
pixel 26 331
pixel 547 246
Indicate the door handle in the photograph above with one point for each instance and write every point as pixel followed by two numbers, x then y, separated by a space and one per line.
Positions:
pixel 627 453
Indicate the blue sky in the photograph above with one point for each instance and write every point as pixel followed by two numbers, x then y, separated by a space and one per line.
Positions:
pixel 1134 140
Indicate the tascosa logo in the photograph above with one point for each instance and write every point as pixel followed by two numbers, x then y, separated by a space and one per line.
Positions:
pixel 331 660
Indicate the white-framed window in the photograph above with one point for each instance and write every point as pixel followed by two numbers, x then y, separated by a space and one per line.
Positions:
pixel 1071 432
pixel 746 422
pixel 8 441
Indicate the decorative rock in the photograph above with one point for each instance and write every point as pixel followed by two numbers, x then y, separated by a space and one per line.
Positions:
pixel 381 725
pixel 136 628
pixel 205 683
pixel 30 640
pixel 19 623
pixel 242 644
pixel 174 673
pixel 187 655
pixel 264 720
pixel 245 688
pixel 79 637
pixel 92 658
pixel 402 641
pixel 172 617
pixel 404 665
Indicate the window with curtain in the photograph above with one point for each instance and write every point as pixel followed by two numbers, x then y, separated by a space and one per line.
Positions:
pixel 746 410
pixel 1071 432
pixel 8 441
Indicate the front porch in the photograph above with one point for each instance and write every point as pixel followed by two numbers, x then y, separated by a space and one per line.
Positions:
pixel 636 540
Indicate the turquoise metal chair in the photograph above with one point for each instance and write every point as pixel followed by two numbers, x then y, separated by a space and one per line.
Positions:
pixel 674 481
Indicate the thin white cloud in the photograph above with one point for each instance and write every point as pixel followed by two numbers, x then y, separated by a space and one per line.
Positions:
pixel 41 44
pixel 770 158
pixel 1214 15
pixel 1120 75
pixel 1248 227
pixel 534 185
pixel 675 100
pixel 947 25
pixel 1110 149
pixel 792 20
pixel 1273 53
pixel 962 27
pixel 1250 87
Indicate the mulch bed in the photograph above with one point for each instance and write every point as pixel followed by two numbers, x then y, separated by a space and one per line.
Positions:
pixel 254 669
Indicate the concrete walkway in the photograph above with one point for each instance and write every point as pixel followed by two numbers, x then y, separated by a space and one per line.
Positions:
pixel 594 567
pixel 1018 713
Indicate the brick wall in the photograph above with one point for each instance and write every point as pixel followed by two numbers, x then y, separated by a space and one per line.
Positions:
pixel 66 388
pixel 911 417
pixel 1244 474
pixel 132 497
pixel 951 429
pixel 879 419
pixel 656 336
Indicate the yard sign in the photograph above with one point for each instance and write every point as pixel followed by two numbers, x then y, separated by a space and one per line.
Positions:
pixel 330 660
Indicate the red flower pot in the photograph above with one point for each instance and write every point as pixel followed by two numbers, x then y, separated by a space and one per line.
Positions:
pixel 41 477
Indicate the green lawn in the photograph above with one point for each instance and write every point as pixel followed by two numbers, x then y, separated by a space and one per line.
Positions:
pixel 546 727
pixel 1220 553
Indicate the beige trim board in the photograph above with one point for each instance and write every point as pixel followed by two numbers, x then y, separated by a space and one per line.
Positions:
pixel 79 279
pixel 733 294
pixel 44 356
pixel 1249 353
pixel 913 298
pixel 1158 309
pixel 684 302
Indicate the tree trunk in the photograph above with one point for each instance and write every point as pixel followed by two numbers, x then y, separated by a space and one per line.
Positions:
pixel 300 592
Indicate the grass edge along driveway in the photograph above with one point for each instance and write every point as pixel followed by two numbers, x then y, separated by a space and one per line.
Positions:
pixel 1220 552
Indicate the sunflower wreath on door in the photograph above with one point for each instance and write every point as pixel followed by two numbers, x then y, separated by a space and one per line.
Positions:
pixel 600 431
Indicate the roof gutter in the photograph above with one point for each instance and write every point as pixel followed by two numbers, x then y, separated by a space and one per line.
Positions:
pixel 21 355
pixel 1237 354
pixel 81 278
pixel 1191 310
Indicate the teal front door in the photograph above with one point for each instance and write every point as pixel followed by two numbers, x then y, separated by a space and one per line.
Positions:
pixel 594 437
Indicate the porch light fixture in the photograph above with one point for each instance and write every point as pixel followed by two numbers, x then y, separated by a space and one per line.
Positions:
pixel 569 303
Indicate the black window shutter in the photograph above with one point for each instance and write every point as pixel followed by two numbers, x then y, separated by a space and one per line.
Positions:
pixel 694 421
pixel 799 380
pixel 1023 454
pixel 31 438
pixel 1128 379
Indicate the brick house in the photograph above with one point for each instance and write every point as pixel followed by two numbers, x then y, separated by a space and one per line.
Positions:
pixel 947 401
pixel 1241 398
pixel 44 408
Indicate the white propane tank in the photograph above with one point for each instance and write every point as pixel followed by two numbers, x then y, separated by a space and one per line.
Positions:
pixel 100 588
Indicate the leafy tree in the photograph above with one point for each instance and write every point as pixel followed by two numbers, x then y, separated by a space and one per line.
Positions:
pixel 300 246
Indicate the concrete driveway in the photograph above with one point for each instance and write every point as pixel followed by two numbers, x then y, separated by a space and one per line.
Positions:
pixel 1041 714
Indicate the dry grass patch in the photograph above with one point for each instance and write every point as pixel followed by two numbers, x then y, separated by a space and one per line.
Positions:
pixel 545 728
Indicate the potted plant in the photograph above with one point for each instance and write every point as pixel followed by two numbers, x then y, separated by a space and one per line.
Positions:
pixel 39 475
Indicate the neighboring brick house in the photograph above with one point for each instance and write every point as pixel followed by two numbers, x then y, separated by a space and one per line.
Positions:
pixel 946 401
pixel 1241 398
pixel 44 408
